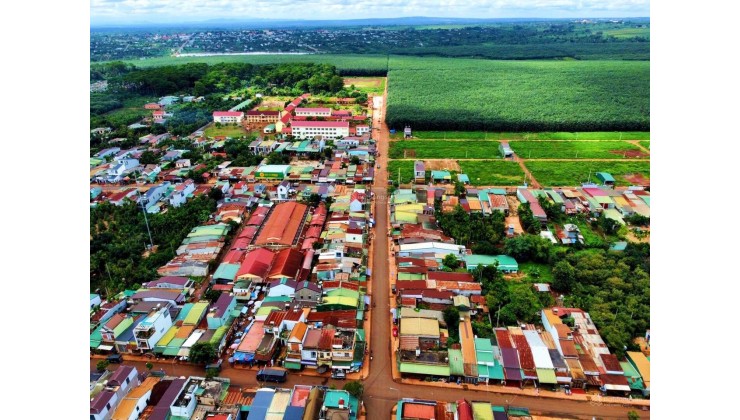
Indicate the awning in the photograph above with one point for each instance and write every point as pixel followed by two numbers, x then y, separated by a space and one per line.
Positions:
pixel 341 365
pixel 240 357
pixel 546 376
pixel 105 347
pixel 292 365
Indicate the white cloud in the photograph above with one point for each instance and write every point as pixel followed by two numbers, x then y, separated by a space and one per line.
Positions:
pixel 194 10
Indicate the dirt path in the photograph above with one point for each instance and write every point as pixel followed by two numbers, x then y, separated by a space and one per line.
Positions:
pixel 637 143
pixel 532 181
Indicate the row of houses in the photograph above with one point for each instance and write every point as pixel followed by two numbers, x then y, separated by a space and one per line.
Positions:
pixel 558 355
pixel 127 394
pixel 337 171
pixel 417 409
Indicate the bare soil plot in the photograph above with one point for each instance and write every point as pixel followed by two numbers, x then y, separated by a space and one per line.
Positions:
pixel 441 165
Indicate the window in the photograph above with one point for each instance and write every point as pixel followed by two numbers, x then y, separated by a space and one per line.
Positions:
pixel 127 381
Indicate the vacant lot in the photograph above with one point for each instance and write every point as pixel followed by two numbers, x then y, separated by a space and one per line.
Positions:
pixel 483 135
pixel 492 172
pixel 550 173
pixel 366 84
pixel 227 131
pixel 406 168
pixel 574 149
pixel 431 149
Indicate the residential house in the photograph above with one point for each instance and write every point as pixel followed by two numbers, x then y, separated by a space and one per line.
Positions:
pixel 182 163
pixel 283 190
pixel 570 234
pixel 307 293
pixel 170 282
pixel 220 311
pixel 423 331
pixel 181 193
pixel 152 328
pixel 294 344
pixel 184 404
pixel 123 379
pixel 362 129
pixel 121 168
pixel 134 403
pixel 94 300
pixel 116 325
pixel 310 348
pixel 168 100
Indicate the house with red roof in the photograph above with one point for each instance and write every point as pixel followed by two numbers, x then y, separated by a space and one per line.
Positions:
pixel 228 117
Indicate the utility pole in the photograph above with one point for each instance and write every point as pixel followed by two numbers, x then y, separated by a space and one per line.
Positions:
pixel 497 314
pixel 146 220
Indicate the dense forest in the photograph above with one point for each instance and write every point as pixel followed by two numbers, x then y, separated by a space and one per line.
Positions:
pixel 119 239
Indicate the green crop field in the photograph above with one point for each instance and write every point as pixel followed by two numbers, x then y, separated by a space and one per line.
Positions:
pixel 628 32
pixel 406 167
pixel 572 149
pixel 484 135
pixel 468 94
pixel 346 63
pixel 431 149
pixel 491 172
pixel 549 173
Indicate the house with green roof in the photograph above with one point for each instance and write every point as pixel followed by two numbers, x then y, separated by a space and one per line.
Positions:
pixel 331 408
pixel 441 176
pixel 489 367
pixel 505 263
pixel 336 303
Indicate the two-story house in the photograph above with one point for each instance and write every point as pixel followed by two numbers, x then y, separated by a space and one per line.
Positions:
pixel 152 328
pixel 182 191
pixel 219 312
pixel 123 166
pixel 294 344
pixel 103 404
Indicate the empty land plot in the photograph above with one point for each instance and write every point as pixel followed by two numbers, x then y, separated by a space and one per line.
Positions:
pixel 406 168
pixel 575 149
pixel 550 173
pixel 560 135
pixel 366 84
pixel 226 130
pixel 430 149
pixel 492 172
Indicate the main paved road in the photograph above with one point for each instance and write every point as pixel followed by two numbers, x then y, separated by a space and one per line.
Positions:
pixel 381 392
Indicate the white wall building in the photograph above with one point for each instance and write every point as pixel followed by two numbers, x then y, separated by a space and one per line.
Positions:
pixel 326 129
pixel 313 112
pixel 152 328
pixel 180 195
pixel 228 117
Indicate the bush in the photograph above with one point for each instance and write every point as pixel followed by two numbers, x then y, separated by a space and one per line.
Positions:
pixel 102 365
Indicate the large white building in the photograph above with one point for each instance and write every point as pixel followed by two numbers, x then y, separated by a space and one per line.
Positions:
pixel 228 117
pixel 326 129
pixel 152 328
pixel 313 112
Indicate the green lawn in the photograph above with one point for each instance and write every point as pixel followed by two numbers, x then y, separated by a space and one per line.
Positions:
pixel 228 131
pixel 431 149
pixel 537 273
pixel 483 135
pixel 572 149
pixel 645 144
pixel 550 173
pixel 491 172
pixel 406 167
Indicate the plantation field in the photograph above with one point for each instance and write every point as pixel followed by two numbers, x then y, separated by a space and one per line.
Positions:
pixel 484 135
pixel 628 32
pixel 431 149
pixel 468 94
pixel 550 173
pixel 406 167
pixel 491 172
pixel 573 149
pixel 227 130
pixel 361 65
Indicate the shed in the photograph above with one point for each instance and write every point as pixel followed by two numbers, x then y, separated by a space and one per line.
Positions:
pixel 605 177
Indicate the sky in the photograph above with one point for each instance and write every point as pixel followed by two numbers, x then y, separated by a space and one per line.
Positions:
pixel 176 11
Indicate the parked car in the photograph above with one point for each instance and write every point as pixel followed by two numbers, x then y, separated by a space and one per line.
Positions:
pixel 115 358
pixel 338 374
pixel 272 375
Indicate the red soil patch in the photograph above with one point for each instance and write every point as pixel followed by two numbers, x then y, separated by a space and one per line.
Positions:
pixel 637 179
pixel 639 154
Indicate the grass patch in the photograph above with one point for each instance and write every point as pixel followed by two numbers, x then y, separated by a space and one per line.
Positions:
pixel 576 173
pixel 227 130
pixel 590 237
pixel 406 167
pixel 645 144
pixel 366 84
pixel 490 172
pixel 536 273
pixel 126 116
pixel 571 149
pixel 444 150
pixel 628 32
pixel 484 135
